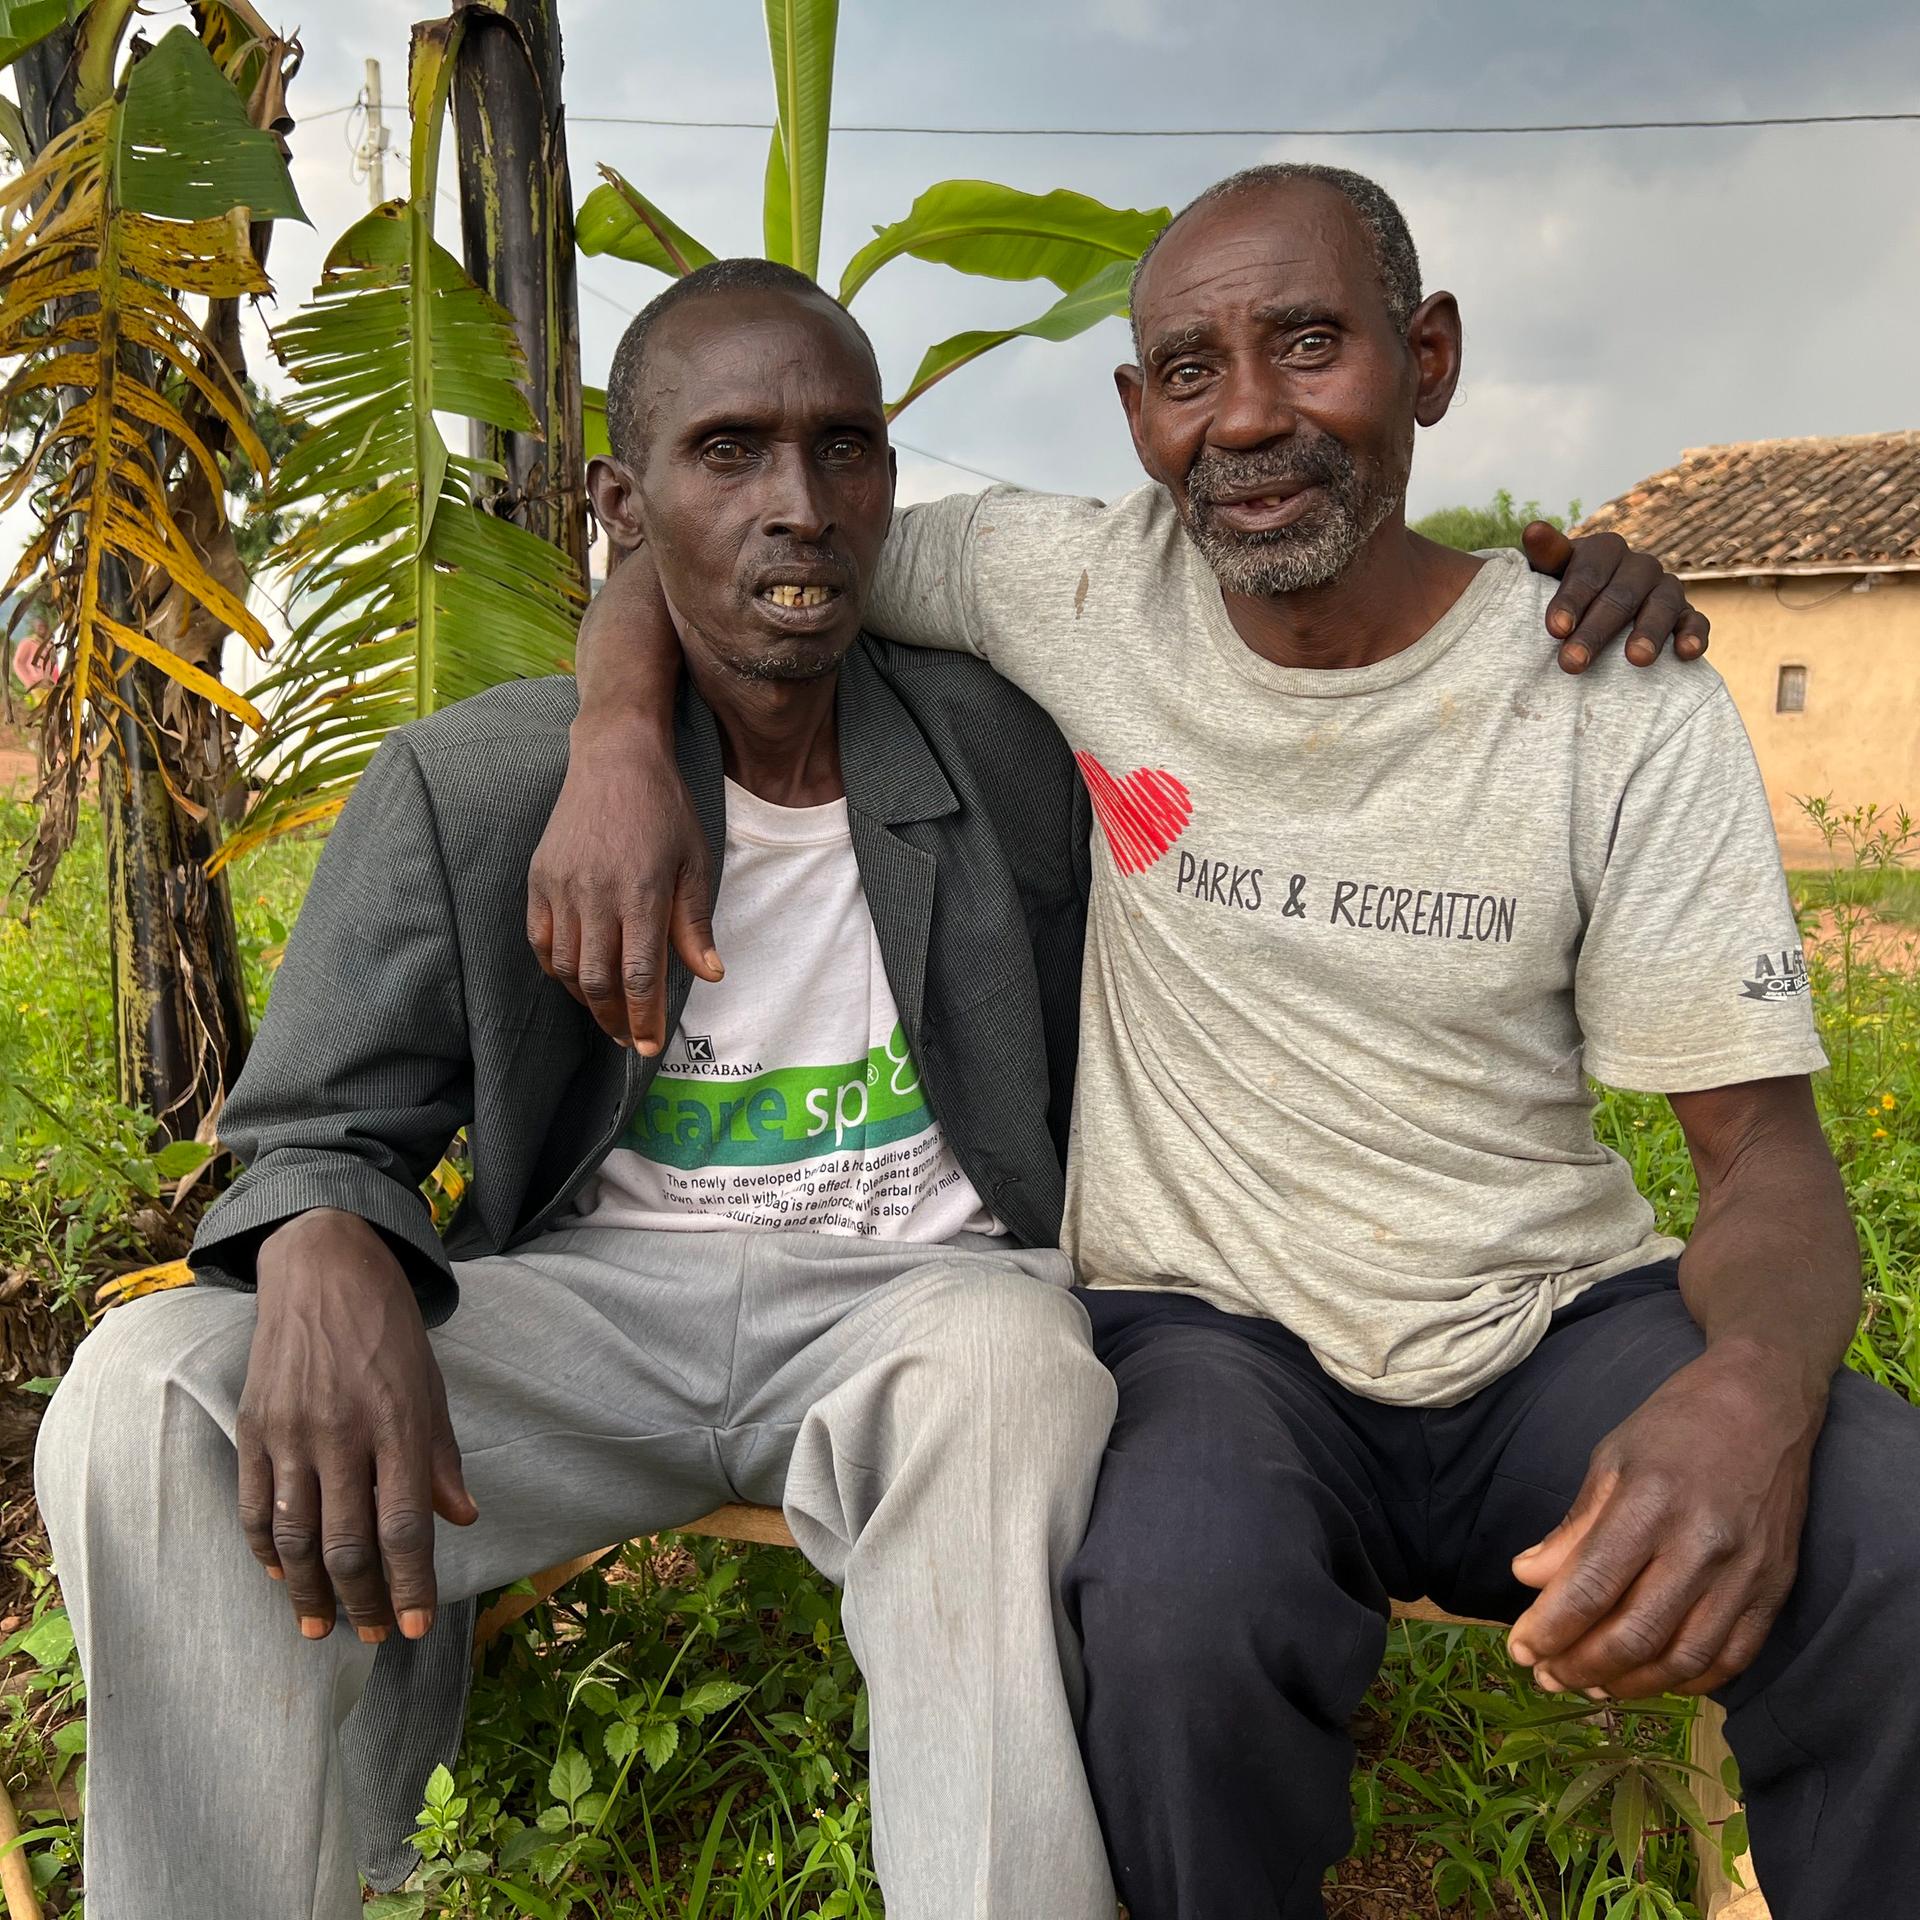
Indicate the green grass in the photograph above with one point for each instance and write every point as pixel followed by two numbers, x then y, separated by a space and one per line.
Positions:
pixel 1891 894
pixel 684 1737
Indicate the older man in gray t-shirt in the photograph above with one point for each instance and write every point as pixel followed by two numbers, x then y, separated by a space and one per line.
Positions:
pixel 1376 889
pixel 1358 936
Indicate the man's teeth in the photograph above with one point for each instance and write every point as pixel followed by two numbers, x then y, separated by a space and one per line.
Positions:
pixel 799 596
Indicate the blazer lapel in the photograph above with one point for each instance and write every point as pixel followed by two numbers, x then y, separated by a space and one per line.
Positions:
pixel 892 780
pixel 697 745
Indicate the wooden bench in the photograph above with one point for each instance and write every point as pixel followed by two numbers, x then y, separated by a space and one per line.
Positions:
pixel 1720 1897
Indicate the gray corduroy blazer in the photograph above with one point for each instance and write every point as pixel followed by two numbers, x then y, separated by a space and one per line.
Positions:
pixel 410 1004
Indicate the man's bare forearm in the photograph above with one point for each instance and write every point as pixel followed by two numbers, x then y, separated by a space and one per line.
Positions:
pixel 627 659
pixel 1772 1271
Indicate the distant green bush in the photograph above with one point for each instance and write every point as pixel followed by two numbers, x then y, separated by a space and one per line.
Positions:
pixel 1497 524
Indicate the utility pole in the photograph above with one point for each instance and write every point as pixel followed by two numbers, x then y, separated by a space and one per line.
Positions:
pixel 373 146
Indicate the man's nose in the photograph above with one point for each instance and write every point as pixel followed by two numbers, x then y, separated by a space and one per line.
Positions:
pixel 1251 406
pixel 799 504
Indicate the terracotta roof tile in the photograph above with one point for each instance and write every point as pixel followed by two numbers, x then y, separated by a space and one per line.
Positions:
pixel 1839 504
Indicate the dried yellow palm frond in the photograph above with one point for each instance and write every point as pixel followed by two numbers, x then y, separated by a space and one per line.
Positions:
pixel 117 221
pixel 144 1280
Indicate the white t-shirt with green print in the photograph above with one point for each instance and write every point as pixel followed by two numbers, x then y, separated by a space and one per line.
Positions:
pixel 787 1098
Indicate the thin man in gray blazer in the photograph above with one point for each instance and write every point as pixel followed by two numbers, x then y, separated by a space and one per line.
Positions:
pixel 804 1256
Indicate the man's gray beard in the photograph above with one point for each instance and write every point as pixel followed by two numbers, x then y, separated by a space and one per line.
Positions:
pixel 1312 552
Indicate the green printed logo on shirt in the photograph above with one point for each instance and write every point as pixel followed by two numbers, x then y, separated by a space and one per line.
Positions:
pixel 782 1116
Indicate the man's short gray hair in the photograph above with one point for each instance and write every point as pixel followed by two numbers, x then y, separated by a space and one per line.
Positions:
pixel 1385 224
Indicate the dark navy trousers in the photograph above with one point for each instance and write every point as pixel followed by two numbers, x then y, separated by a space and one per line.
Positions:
pixel 1253 1519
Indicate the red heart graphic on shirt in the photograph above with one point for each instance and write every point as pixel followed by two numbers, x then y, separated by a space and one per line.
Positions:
pixel 1143 814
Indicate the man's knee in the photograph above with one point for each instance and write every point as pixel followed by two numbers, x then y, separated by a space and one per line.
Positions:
pixel 1863 1531
pixel 1191 1617
pixel 1014 1350
pixel 113 1416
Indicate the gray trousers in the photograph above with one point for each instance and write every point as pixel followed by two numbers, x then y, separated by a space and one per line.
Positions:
pixel 931 1418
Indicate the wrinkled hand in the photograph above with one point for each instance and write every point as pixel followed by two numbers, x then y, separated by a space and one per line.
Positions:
pixel 620 871
pixel 1682 1546
pixel 346 1450
pixel 1604 586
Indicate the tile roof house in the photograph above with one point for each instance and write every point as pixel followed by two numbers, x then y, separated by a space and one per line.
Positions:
pixel 1837 505
pixel 1805 554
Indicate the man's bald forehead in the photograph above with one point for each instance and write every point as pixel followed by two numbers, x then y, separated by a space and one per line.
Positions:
pixel 1373 216
pixel 723 298
pixel 1267 211
pixel 708 317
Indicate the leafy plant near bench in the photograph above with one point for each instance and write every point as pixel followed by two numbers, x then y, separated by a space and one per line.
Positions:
pixel 680 1737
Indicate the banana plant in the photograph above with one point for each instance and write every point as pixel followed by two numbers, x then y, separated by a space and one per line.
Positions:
pixel 414 596
pixel 146 186
pixel 1084 248
pixel 100 237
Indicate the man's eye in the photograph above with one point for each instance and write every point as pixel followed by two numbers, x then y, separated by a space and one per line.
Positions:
pixel 845 448
pixel 1318 341
pixel 1185 373
pixel 724 451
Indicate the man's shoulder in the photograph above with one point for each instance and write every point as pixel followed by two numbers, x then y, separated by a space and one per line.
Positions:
pixel 494 762
pixel 1139 523
pixel 956 698
pixel 512 734
pixel 1620 712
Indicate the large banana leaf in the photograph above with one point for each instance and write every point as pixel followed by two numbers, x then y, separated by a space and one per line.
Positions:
pixel 99 239
pixel 414 597
pixel 593 418
pixel 25 23
pixel 1103 297
pixel 800 36
pixel 187 144
pixel 617 218
pixel 1005 234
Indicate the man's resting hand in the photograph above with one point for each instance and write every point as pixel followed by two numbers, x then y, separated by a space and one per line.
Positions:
pixel 1607 587
pixel 1682 1546
pixel 346 1450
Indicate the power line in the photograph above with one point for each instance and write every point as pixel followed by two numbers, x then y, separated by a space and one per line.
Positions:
pixel 1266 133
pixel 959 466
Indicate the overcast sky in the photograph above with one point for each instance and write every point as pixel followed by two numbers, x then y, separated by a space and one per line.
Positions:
pixel 1625 295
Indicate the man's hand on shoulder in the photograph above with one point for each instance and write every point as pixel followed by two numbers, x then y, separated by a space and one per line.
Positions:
pixel 1607 587
pixel 346 1449
pixel 621 870
pixel 1682 1546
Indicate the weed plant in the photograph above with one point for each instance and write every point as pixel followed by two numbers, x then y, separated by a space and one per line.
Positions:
pixel 682 1731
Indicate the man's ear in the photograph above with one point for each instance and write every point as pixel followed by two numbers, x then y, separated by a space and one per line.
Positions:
pixel 1434 339
pixel 615 494
pixel 1131 385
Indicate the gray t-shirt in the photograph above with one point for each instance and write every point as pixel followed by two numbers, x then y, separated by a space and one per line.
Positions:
pixel 1358 936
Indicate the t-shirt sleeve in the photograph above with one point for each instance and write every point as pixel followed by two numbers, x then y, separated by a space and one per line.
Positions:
pixel 983 573
pixel 924 590
pixel 1691 972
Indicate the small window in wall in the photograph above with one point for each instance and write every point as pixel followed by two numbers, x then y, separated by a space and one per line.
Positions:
pixel 1791 696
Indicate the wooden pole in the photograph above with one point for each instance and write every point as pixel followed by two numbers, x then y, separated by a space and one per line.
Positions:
pixel 16 1876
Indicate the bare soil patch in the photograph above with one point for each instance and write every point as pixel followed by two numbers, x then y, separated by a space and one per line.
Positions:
pixel 1883 943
